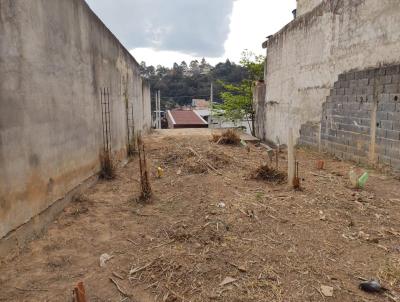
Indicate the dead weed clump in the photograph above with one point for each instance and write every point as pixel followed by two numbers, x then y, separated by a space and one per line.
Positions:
pixel 264 172
pixel 145 186
pixel 228 137
pixel 107 166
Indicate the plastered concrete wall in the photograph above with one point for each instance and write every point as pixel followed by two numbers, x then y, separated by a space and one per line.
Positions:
pixel 305 58
pixel 55 56
pixel 305 6
pixel 146 105
pixel 259 107
pixel 361 118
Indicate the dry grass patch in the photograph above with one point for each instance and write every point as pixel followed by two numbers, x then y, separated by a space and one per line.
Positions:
pixel 189 161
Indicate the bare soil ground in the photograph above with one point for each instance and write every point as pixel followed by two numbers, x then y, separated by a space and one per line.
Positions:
pixel 207 227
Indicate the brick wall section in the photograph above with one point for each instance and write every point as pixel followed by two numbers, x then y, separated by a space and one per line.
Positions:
pixel 361 118
pixel 309 134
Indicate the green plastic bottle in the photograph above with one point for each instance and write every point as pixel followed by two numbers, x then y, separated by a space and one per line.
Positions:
pixel 362 180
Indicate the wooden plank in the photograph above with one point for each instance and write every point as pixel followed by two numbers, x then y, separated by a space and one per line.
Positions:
pixel 291 159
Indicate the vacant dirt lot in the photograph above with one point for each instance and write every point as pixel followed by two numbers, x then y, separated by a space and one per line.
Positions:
pixel 211 233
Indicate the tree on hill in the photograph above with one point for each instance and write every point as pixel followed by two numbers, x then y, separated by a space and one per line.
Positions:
pixel 178 87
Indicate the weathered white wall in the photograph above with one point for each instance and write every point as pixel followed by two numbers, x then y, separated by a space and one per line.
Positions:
pixel 305 58
pixel 305 6
pixel 146 105
pixel 55 56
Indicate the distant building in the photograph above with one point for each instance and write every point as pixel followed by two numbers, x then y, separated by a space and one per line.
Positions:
pixel 154 118
pixel 179 118
pixel 204 113
pixel 200 104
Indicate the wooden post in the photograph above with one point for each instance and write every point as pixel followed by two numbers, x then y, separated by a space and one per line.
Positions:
pixel 159 109
pixel 291 159
pixel 372 146
pixel 79 293
pixel 211 105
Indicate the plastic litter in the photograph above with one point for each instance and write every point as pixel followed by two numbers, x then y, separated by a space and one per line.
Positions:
pixel 104 258
pixel 362 180
pixel 160 172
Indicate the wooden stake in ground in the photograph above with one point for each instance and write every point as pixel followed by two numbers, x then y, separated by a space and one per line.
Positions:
pixel 79 294
pixel 277 151
pixel 291 159
pixel 144 171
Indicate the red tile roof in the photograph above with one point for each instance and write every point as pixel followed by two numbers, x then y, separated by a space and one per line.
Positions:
pixel 187 117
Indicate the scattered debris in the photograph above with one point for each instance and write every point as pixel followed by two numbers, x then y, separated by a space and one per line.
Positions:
pixel 160 172
pixel 362 180
pixel 241 268
pixel 202 160
pixel 327 291
pixel 372 286
pixel 221 205
pixel 104 258
pixel 31 289
pixel 138 269
pixel 264 172
pixel 320 164
pixel 115 274
pixel 227 280
pixel 190 161
pixel 119 288
pixel 358 182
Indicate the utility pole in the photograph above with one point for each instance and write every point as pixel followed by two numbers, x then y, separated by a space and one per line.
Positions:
pixel 156 110
pixel 211 105
pixel 159 109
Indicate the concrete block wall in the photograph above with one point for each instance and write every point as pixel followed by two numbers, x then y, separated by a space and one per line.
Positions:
pixel 55 57
pixel 309 134
pixel 361 118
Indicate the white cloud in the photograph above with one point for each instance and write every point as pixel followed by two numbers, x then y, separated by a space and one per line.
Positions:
pixel 195 26
pixel 251 22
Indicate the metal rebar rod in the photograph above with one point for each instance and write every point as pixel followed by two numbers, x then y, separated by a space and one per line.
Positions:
pixel 102 117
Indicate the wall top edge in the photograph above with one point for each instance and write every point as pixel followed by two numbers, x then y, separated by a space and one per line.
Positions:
pixel 333 7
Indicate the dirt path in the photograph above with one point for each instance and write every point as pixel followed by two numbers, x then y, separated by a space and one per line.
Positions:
pixel 202 227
